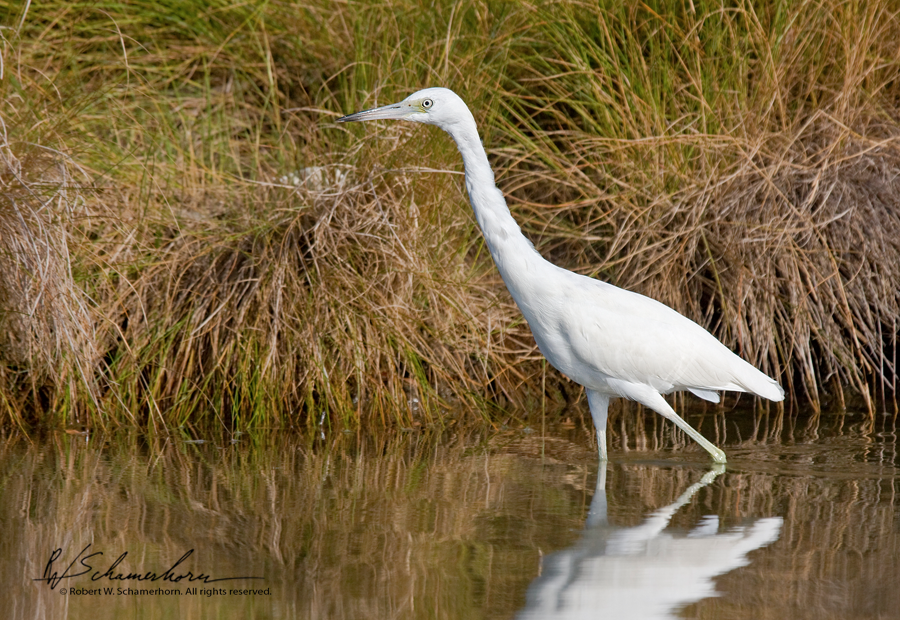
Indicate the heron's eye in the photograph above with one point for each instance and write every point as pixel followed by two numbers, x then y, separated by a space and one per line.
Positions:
pixel 427 103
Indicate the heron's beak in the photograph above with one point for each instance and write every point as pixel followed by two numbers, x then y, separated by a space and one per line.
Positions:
pixel 396 111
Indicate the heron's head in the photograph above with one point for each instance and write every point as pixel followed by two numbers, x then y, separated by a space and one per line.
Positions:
pixel 433 106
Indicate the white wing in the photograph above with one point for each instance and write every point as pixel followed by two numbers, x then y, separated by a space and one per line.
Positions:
pixel 592 331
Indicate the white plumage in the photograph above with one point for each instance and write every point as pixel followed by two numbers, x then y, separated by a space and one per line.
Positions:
pixel 612 341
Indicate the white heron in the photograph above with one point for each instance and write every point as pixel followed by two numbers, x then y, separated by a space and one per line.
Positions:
pixel 612 341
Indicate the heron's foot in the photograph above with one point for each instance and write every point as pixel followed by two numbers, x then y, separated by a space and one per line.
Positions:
pixel 718 456
pixel 714 471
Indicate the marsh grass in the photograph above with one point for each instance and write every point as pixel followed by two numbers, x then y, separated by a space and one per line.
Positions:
pixel 735 163
pixel 186 238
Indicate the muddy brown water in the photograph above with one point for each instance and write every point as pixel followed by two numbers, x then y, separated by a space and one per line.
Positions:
pixel 803 522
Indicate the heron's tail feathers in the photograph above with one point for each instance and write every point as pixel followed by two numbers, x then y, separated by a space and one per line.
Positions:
pixel 761 384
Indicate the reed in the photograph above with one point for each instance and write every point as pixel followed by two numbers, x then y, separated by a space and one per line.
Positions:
pixel 186 238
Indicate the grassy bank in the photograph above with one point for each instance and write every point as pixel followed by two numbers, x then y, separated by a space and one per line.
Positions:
pixel 187 237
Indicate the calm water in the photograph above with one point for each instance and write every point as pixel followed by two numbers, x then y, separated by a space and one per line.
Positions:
pixel 804 522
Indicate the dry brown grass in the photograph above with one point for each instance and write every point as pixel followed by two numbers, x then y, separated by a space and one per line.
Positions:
pixel 761 201
pixel 186 239
pixel 46 325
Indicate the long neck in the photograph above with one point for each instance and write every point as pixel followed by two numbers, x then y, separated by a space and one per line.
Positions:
pixel 508 246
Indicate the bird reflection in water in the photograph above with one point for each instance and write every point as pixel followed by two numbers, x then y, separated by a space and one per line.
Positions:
pixel 641 572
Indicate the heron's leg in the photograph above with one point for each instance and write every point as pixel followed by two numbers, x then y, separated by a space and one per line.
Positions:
pixel 597 512
pixel 663 409
pixel 649 397
pixel 599 404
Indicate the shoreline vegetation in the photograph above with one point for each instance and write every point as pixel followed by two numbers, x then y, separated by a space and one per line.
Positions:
pixel 187 238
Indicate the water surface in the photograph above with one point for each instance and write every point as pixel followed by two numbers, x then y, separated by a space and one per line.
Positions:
pixel 803 522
